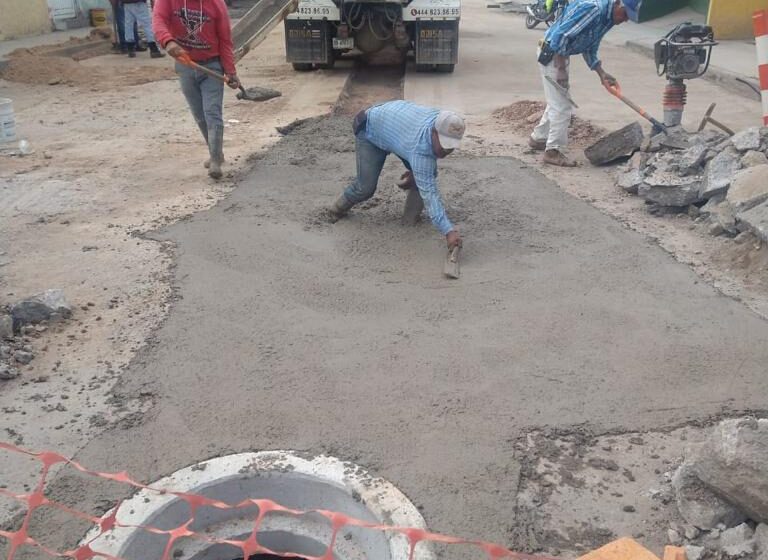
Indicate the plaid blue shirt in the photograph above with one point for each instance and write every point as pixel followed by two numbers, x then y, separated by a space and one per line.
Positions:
pixel 405 129
pixel 581 28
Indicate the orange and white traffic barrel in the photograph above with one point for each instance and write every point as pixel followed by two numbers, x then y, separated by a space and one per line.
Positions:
pixel 760 20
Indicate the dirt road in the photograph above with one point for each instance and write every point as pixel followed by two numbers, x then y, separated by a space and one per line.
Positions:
pixel 280 330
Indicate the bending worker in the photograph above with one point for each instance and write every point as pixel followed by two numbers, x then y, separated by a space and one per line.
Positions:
pixel 582 26
pixel 419 136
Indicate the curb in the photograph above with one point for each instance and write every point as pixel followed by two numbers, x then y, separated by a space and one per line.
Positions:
pixel 728 80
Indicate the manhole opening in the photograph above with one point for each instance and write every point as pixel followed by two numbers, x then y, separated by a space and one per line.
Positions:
pixel 297 483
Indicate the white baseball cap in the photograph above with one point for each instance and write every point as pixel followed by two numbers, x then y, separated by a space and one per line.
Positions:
pixel 450 129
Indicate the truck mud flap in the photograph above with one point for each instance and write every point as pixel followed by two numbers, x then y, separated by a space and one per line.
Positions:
pixel 437 42
pixel 307 41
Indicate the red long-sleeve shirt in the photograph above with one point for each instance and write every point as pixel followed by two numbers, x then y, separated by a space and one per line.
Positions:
pixel 200 27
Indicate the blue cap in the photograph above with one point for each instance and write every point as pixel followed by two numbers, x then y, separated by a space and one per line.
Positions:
pixel 633 8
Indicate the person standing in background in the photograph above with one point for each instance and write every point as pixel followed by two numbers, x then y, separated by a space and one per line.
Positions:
pixel 136 12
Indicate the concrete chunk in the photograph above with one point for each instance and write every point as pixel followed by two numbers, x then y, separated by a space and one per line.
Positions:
pixel 738 541
pixel 756 220
pixel 753 158
pixel 749 188
pixel 621 143
pixel 698 505
pixel 6 326
pixel 733 462
pixel 691 160
pixel 719 173
pixel 668 189
pixel 41 307
pixel 748 139
pixel 630 180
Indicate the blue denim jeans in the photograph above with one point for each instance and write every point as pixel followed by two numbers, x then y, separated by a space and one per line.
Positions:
pixel 370 160
pixel 205 95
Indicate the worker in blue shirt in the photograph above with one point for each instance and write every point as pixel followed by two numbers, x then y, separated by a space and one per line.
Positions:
pixel 582 26
pixel 419 136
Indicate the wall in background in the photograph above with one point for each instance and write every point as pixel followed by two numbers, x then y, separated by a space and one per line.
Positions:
pixel 23 17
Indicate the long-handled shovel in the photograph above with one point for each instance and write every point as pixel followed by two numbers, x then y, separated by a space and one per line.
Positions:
pixel 250 94
pixel 616 92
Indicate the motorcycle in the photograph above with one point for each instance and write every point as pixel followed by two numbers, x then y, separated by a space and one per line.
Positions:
pixel 537 13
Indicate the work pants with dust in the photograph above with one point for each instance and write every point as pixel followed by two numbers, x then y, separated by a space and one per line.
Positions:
pixel 138 13
pixel 553 127
pixel 370 161
pixel 205 95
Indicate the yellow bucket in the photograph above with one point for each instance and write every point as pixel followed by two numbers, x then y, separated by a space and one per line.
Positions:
pixel 98 17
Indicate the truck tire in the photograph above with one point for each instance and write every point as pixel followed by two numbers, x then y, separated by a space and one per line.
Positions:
pixel 302 66
pixel 330 64
pixel 531 22
pixel 445 68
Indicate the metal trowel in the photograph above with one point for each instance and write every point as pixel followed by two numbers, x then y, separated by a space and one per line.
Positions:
pixel 451 266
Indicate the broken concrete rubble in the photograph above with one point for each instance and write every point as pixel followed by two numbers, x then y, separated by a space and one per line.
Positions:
pixel 749 188
pixel 698 505
pixel 630 180
pixel 719 173
pixel 691 160
pixel 6 326
pixel 41 307
pixel 694 552
pixel 761 541
pixel 7 372
pixel 738 541
pixel 733 463
pixel 621 143
pixel 753 158
pixel 755 220
pixel 708 175
pixel 672 195
pixel 748 139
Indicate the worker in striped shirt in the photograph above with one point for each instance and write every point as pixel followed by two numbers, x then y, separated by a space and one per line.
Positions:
pixel 580 30
pixel 419 136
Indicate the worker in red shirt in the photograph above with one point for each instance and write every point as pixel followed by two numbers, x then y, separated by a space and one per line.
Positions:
pixel 201 30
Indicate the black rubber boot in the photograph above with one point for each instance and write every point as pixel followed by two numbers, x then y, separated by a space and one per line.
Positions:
pixel 154 52
pixel 131 50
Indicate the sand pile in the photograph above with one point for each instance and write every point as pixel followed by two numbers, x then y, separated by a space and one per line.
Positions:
pixel 526 114
pixel 30 68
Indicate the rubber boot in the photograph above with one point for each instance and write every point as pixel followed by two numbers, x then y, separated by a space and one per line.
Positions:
pixel 216 150
pixel 154 52
pixel 131 50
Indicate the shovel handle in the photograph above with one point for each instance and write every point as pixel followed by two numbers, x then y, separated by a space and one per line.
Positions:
pixel 616 92
pixel 187 61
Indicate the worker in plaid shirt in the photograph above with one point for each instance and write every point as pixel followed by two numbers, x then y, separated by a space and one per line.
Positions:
pixel 419 136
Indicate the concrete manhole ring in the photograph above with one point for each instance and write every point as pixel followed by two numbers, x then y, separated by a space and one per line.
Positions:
pixel 299 483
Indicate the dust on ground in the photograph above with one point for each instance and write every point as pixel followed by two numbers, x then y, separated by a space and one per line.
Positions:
pixel 526 114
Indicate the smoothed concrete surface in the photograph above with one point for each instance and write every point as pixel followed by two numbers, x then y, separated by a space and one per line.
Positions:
pixel 291 333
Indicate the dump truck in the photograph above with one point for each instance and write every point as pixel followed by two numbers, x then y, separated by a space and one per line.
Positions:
pixel 318 32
